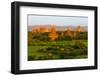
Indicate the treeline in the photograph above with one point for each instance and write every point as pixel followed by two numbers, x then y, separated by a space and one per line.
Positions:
pixel 33 37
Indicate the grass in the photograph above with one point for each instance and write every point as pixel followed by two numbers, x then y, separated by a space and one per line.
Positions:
pixel 44 54
pixel 33 50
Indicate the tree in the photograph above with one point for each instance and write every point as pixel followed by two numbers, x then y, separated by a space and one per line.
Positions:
pixel 62 34
pixel 53 35
pixel 30 38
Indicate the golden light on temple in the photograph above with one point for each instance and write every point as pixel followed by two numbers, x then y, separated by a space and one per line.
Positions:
pixel 79 29
pixel 53 35
pixel 40 30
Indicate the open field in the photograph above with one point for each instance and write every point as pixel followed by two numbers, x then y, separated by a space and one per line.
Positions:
pixel 72 49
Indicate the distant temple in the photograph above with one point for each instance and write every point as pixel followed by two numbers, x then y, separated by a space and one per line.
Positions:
pixel 52 27
pixel 41 30
pixel 53 35
pixel 73 32
pixel 79 29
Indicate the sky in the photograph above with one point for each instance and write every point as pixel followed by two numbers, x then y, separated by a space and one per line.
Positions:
pixel 57 20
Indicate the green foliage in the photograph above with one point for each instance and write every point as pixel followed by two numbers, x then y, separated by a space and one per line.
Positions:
pixel 31 57
pixel 38 37
pixel 82 35
pixel 79 44
pixel 41 36
pixel 40 47
pixel 69 50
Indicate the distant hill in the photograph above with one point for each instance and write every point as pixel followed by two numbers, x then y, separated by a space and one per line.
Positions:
pixel 59 28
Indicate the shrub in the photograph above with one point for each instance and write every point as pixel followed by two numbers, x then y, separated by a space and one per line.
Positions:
pixel 31 58
pixel 79 45
pixel 82 35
